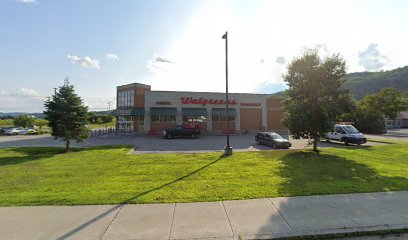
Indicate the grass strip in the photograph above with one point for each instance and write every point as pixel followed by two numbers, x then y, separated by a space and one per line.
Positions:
pixel 108 175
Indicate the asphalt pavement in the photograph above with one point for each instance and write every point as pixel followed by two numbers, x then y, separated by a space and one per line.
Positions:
pixel 158 144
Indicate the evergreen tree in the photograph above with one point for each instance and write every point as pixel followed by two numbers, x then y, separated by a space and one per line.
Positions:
pixel 316 98
pixel 67 115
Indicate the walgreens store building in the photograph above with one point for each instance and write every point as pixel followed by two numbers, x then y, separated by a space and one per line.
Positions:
pixel 142 111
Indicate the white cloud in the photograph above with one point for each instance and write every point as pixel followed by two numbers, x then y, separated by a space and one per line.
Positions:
pixel 280 60
pixel 268 87
pixel 100 103
pixel 259 43
pixel 28 92
pixel 27 1
pixel 112 57
pixel 261 61
pixel 159 64
pixel 321 47
pixel 21 99
pixel 86 61
pixel 371 58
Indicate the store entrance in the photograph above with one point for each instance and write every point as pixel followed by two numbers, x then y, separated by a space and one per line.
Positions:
pixel 125 125
pixel 199 122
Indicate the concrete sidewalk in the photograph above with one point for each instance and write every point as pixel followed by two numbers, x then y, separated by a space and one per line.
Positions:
pixel 248 219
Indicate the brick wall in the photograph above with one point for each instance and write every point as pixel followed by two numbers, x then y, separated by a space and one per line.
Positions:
pixel 275 114
pixel 220 127
pixel 160 126
pixel 250 120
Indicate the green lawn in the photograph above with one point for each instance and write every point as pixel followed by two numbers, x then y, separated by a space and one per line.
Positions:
pixel 10 123
pixel 6 123
pixel 45 176
pixel 103 125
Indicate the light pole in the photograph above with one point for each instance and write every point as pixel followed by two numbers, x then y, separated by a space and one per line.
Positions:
pixel 228 148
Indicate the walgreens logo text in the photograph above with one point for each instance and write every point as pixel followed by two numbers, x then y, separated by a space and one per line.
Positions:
pixel 205 101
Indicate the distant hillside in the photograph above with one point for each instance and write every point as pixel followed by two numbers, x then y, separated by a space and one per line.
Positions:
pixel 16 114
pixel 42 115
pixel 363 83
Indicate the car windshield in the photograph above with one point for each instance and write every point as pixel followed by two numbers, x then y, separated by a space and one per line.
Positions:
pixel 351 129
pixel 275 136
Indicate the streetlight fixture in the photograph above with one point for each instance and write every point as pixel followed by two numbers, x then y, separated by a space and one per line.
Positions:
pixel 227 148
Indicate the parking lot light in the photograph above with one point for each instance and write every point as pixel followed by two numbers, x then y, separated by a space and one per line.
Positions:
pixel 227 148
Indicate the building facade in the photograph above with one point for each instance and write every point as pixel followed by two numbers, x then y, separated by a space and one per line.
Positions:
pixel 401 121
pixel 142 111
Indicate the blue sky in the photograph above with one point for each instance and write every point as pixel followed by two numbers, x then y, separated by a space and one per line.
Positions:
pixel 177 45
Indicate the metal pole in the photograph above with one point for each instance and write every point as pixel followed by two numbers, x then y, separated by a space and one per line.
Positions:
pixel 228 148
pixel 226 83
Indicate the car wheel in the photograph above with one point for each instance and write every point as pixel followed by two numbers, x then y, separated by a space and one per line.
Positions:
pixel 15 133
pixel 169 136
pixel 345 141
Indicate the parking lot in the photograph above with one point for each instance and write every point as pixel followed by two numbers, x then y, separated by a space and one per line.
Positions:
pixel 157 144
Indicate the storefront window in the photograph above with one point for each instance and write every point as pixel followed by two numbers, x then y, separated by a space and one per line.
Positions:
pixel 163 118
pixel 201 119
pixel 125 124
pixel 125 98
pixel 222 118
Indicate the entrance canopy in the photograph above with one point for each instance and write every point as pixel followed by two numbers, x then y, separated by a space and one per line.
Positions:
pixel 128 112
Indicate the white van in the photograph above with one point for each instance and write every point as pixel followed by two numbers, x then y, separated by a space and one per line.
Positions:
pixel 347 134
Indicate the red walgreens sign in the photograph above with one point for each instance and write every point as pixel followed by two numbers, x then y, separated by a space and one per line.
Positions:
pixel 205 101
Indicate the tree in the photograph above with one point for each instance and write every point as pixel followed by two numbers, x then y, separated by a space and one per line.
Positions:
pixel 388 102
pixel 368 121
pixel 67 115
pixel 23 121
pixel 316 98
pixel 40 123
pixel 92 117
pixel 99 120
pixel 107 118
pixel 371 110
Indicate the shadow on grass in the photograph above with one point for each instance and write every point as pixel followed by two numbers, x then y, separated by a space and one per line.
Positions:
pixel 342 145
pixel 120 206
pixel 310 173
pixel 41 153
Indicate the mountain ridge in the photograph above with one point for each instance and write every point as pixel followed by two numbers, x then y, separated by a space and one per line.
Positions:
pixel 361 84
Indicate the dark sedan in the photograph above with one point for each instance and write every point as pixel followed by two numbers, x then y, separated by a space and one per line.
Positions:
pixel 272 139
